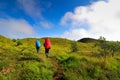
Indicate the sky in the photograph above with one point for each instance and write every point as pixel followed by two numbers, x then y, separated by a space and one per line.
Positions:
pixel 71 19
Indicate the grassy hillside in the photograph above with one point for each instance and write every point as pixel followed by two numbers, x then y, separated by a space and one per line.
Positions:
pixel 19 61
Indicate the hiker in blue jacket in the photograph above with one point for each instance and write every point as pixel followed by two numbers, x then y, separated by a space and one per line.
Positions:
pixel 38 45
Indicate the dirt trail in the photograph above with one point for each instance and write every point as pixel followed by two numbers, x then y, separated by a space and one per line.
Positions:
pixel 58 74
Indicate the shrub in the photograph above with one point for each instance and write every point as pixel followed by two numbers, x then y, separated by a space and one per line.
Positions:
pixel 3 64
pixel 3 77
pixel 93 71
pixel 102 77
pixel 113 75
pixel 108 47
pixel 71 61
pixel 19 43
pixel 14 40
pixel 28 74
pixel 29 57
pixel 74 46
pixel 105 47
pixel 114 47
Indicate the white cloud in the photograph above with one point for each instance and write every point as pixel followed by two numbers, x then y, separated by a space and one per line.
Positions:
pixel 75 34
pixel 14 28
pixel 103 19
pixel 46 24
pixel 31 8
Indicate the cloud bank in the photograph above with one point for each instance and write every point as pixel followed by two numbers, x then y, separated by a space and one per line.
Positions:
pixel 14 28
pixel 102 18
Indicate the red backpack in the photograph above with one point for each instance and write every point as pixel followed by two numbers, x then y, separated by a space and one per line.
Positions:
pixel 47 43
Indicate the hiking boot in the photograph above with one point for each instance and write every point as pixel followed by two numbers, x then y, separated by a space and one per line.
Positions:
pixel 47 55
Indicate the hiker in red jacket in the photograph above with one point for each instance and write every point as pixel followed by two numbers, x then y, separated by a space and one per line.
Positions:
pixel 47 46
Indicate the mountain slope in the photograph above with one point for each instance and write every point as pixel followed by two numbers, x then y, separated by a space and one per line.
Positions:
pixel 19 60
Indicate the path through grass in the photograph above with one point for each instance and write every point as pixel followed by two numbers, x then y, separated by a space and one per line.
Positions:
pixel 58 74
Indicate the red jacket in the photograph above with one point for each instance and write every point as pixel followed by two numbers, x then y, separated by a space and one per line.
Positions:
pixel 47 43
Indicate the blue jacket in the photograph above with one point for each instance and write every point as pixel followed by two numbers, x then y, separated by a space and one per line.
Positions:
pixel 38 43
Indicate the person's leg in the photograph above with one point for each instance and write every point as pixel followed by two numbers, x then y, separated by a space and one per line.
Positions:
pixel 47 52
pixel 37 49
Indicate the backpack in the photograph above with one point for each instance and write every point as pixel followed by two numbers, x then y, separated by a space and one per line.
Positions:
pixel 38 43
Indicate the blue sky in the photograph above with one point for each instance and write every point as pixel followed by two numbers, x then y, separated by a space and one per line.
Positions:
pixel 72 19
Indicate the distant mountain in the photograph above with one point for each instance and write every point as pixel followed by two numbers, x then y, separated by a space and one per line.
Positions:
pixel 87 40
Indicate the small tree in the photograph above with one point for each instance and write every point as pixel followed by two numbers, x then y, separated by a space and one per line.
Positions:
pixel 74 46
pixel 108 47
pixel 103 48
pixel 19 43
pixel 103 45
pixel 14 40
pixel 114 47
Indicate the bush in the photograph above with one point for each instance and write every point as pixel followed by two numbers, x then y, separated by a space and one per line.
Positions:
pixel 93 71
pixel 113 75
pixel 29 57
pixel 28 74
pixel 19 43
pixel 3 77
pixel 108 48
pixel 3 64
pixel 14 40
pixel 114 47
pixel 74 46
pixel 71 61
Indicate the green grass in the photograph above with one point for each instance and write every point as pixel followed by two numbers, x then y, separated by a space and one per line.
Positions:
pixel 20 61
